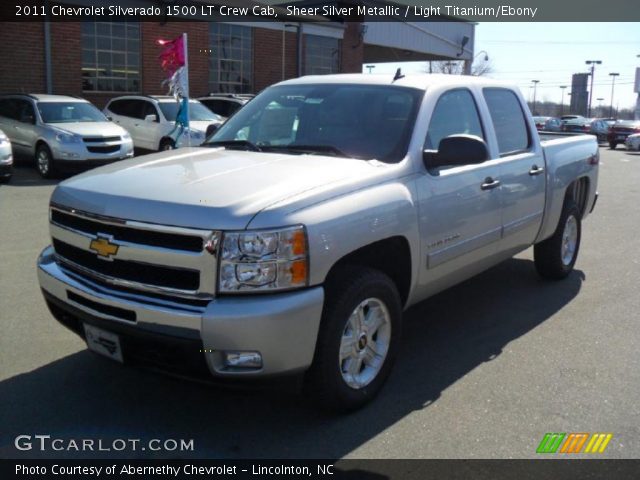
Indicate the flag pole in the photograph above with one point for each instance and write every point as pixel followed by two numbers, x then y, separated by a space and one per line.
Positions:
pixel 185 45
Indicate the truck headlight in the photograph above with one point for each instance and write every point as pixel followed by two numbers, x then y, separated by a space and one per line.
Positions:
pixel 264 260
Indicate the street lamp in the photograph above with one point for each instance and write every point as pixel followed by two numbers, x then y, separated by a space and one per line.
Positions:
pixel 593 64
pixel 562 87
pixel 535 85
pixel 486 55
pixel 613 84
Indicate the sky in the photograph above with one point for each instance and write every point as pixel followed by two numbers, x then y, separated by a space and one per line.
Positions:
pixel 551 52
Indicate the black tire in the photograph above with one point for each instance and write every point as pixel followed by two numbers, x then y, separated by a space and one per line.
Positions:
pixel 167 144
pixel 45 164
pixel 344 292
pixel 613 145
pixel 548 255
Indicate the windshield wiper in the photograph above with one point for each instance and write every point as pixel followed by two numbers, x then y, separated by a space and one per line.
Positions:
pixel 324 149
pixel 241 144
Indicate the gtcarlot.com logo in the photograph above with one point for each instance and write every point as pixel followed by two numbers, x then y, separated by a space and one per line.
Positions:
pixel 45 443
pixel 574 442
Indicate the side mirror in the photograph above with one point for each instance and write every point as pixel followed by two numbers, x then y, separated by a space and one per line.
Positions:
pixel 211 129
pixel 151 118
pixel 457 150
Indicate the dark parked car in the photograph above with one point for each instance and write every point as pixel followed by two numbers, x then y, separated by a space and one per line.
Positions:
pixel 225 104
pixel 600 128
pixel 577 125
pixel 553 124
pixel 540 122
pixel 565 118
pixel 620 130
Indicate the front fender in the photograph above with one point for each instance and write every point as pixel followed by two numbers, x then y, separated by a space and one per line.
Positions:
pixel 340 225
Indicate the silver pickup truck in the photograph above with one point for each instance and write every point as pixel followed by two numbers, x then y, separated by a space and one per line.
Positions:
pixel 294 238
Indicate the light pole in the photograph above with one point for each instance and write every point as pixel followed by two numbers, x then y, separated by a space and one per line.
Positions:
pixel 593 64
pixel 613 84
pixel 535 86
pixel 600 100
pixel 562 87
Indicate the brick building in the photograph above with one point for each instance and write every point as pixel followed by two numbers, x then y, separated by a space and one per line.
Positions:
pixel 99 60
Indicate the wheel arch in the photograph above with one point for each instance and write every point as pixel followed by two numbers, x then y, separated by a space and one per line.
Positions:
pixel 391 256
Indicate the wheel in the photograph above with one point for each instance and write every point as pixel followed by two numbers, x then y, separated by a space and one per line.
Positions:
pixel 358 340
pixel 167 144
pixel 44 162
pixel 613 145
pixel 555 257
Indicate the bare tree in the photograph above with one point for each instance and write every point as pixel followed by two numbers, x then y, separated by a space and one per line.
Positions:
pixel 456 67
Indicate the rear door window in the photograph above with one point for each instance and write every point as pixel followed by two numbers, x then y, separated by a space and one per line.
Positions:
pixel 8 108
pixel 509 121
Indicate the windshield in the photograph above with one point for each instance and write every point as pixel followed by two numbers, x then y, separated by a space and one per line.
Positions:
pixel 197 112
pixel 358 121
pixel 69 112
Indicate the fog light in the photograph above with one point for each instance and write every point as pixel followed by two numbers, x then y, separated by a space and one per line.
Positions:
pixel 243 359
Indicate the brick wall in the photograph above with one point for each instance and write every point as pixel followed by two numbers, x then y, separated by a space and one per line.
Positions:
pixel 23 67
pixel 352 49
pixel 23 46
pixel 267 57
pixel 66 58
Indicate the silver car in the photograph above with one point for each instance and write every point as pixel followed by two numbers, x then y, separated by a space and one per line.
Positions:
pixel 6 157
pixel 61 132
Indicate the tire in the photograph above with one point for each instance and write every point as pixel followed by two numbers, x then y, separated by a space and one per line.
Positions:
pixel 555 257
pixel 613 145
pixel 167 144
pixel 372 293
pixel 45 163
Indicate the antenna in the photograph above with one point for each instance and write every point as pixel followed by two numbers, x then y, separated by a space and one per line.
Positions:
pixel 398 75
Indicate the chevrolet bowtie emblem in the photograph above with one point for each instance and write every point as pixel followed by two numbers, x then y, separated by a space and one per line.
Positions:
pixel 103 247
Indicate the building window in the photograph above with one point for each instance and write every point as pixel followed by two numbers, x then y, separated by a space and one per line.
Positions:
pixel 110 56
pixel 231 58
pixel 322 55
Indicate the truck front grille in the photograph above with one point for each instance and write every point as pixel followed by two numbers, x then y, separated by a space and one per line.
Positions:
pixel 161 261
pixel 124 233
pixel 181 279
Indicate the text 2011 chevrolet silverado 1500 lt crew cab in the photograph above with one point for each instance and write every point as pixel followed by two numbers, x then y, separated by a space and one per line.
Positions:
pixel 294 238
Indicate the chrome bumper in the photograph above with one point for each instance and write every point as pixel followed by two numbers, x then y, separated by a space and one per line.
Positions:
pixel 282 327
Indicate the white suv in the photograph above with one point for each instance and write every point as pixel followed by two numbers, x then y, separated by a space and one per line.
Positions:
pixel 151 121
pixel 61 132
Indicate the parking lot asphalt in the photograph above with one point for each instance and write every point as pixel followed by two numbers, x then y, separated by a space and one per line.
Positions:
pixel 486 369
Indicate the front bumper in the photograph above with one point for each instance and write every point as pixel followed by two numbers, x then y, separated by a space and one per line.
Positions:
pixel 282 327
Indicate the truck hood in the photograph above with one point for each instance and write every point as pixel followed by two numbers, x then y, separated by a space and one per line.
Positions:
pixel 205 187
pixel 93 129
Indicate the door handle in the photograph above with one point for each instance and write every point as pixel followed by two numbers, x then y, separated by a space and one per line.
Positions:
pixel 490 184
pixel 536 170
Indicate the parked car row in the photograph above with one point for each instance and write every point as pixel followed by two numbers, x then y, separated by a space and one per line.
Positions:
pixel 63 133
pixel 609 130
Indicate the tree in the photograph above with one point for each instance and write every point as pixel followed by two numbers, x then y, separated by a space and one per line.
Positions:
pixel 456 67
